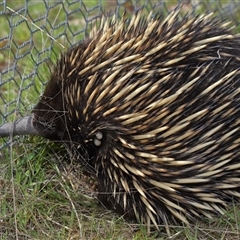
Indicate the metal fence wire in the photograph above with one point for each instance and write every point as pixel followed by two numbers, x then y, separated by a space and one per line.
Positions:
pixel 33 33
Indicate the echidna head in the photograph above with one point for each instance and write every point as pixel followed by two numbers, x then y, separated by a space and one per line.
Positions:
pixel 48 115
pixel 72 108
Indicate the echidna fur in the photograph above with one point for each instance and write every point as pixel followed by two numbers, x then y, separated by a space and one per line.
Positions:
pixel 155 103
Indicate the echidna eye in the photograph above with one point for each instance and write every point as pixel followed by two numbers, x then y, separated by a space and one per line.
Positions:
pixel 98 137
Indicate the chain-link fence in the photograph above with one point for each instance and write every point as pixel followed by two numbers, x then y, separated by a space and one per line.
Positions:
pixel 32 36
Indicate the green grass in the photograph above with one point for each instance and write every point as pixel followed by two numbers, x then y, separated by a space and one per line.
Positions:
pixel 43 194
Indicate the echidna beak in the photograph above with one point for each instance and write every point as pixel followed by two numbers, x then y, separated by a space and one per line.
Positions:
pixel 23 126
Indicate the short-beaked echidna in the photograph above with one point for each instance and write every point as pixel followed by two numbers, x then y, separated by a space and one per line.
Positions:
pixel 155 103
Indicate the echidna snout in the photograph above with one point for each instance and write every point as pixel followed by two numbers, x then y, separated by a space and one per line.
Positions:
pixel 155 104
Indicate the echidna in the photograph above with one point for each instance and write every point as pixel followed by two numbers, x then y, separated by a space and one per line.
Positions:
pixel 155 104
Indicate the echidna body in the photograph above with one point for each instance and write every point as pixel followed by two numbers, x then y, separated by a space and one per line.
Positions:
pixel 155 104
